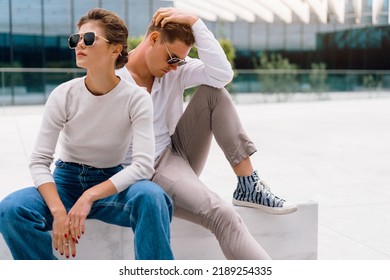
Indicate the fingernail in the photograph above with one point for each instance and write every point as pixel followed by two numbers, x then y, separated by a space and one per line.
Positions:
pixel 73 255
pixel 67 257
pixel 66 236
pixel 78 236
pixel 74 239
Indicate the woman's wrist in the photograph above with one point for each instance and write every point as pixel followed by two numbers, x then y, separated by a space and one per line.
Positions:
pixel 56 211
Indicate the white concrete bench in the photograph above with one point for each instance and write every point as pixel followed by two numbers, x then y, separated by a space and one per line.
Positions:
pixel 292 236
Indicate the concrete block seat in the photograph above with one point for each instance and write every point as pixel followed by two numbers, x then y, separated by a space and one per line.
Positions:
pixel 292 236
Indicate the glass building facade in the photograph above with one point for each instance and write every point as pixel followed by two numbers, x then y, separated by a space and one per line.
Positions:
pixel 35 58
pixel 34 33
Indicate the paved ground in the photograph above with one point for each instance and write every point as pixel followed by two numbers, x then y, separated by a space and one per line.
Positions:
pixel 334 152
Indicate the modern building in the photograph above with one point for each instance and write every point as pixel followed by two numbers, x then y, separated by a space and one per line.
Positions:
pixel 345 34
pixel 34 33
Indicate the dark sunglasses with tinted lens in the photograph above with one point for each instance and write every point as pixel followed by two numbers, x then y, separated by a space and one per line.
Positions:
pixel 177 60
pixel 88 37
pixel 173 59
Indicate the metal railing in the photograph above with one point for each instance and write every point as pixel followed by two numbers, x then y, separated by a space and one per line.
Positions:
pixel 315 80
pixel 21 86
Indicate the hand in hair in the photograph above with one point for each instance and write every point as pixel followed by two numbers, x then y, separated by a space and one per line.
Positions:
pixel 165 15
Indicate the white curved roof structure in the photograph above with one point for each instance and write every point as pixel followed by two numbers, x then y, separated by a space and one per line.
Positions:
pixel 287 11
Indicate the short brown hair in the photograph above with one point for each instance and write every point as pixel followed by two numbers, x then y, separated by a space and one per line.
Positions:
pixel 115 30
pixel 174 31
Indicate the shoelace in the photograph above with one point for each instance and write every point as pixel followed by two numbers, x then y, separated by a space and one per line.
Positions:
pixel 261 185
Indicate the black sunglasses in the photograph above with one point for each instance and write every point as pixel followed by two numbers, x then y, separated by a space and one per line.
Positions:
pixel 88 37
pixel 173 59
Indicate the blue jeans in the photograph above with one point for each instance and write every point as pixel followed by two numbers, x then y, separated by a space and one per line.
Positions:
pixel 25 219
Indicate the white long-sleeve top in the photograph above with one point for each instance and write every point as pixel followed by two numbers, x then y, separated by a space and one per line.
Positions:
pixel 212 68
pixel 96 131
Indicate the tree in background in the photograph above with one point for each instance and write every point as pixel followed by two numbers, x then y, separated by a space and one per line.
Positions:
pixel 132 42
pixel 317 77
pixel 281 75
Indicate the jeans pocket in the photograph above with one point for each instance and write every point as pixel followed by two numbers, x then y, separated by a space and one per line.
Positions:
pixel 109 171
pixel 59 163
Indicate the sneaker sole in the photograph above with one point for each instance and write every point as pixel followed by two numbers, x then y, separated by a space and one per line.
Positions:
pixel 267 209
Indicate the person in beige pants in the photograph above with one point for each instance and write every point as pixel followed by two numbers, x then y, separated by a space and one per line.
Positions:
pixel 160 64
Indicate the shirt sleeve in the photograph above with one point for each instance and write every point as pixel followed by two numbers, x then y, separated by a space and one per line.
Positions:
pixel 42 156
pixel 212 68
pixel 142 165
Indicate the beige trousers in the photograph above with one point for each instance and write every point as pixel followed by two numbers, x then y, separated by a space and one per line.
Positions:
pixel 210 112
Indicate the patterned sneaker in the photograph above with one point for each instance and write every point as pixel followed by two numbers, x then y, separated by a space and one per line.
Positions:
pixel 252 192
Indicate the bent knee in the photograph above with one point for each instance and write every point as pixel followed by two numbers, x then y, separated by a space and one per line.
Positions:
pixel 152 194
pixel 9 210
pixel 20 203
pixel 213 96
pixel 225 216
pixel 8 205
